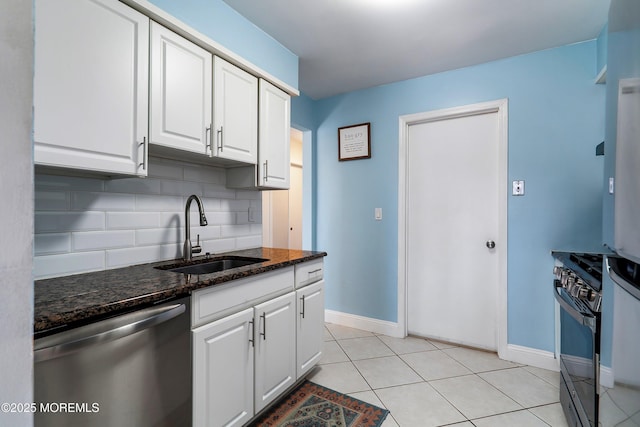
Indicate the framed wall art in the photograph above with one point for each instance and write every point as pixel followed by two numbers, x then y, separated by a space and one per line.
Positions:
pixel 354 142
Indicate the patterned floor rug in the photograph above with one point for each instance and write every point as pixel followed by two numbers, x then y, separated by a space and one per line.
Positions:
pixel 312 405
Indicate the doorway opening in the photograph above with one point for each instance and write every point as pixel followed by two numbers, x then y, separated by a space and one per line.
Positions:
pixel 282 210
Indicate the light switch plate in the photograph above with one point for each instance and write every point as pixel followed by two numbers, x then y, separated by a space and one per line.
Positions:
pixel 378 214
pixel 518 188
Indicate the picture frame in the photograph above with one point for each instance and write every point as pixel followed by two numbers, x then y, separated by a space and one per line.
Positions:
pixel 354 142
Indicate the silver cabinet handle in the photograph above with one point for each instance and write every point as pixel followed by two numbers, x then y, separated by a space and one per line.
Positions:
pixel 266 174
pixel 208 139
pixel 491 244
pixel 144 153
pixel 263 316
pixel 314 271
pixel 220 138
pixel 105 331
pixel 251 340
pixel 302 312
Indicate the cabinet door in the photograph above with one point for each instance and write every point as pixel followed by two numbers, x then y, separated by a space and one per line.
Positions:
pixel 223 371
pixel 91 86
pixel 180 92
pixel 310 326
pixel 275 124
pixel 275 351
pixel 235 113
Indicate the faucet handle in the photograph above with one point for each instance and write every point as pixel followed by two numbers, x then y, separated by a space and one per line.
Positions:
pixel 197 248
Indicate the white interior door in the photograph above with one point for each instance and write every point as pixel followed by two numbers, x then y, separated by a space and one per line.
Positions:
pixel 453 190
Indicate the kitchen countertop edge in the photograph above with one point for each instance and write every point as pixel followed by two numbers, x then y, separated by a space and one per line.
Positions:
pixel 65 302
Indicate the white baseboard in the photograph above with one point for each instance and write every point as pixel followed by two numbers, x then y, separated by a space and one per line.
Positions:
pixel 606 376
pixel 376 326
pixel 532 357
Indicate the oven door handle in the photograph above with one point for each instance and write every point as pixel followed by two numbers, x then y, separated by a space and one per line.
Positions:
pixel 582 318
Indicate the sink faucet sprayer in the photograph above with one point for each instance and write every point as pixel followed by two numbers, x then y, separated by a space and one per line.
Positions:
pixel 188 249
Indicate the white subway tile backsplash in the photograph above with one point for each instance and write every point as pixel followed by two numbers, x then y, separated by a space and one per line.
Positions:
pixel 85 201
pixel 50 200
pixel 220 245
pixel 52 222
pixel 181 188
pixel 247 242
pixel 66 264
pixel 219 192
pixel 51 243
pixel 210 205
pixel 235 230
pixel 249 195
pixel 97 240
pixel 220 218
pixel 172 219
pixel 66 183
pixel 209 232
pixel 235 205
pixel 159 236
pixel 159 203
pixel 167 169
pixel 139 255
pixel 133 220
pixel 133 185
pixel 205 174
pixel 88 224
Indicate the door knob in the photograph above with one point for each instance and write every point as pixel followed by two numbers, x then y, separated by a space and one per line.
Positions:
pixel 491 244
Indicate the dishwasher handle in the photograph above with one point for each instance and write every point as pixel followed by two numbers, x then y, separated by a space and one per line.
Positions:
pixel 104 331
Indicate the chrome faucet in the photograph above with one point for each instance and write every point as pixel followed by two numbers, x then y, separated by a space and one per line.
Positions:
pixel 188 249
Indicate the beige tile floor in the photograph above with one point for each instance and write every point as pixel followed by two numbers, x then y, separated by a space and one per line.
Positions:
pixel 428 383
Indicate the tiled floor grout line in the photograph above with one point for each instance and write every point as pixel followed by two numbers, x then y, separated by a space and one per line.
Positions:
pixel 399 355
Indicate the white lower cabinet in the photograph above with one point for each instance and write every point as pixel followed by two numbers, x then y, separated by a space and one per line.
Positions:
pixel 223 371
pixel 310 327
pixel 252 340
pixel 275 351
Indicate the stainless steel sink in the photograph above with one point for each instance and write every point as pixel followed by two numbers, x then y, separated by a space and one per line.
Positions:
pixel 213 265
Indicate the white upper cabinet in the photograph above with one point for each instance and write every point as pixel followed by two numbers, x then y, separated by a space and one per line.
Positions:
pixel 91 86
pixel 274 125
pixel 180 92
pixel 235 113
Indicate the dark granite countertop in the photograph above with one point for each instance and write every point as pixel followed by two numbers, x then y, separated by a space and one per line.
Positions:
pixel 64 302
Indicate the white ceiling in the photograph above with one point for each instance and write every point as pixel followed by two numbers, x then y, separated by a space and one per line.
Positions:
pixel 345 45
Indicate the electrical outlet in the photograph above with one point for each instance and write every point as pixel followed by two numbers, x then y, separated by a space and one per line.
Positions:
pixel 518 188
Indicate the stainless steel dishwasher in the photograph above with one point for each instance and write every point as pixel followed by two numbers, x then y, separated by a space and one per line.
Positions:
pixel 129 370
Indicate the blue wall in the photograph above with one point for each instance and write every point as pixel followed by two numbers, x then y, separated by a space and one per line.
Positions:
pixel 556 118
pixel 218 21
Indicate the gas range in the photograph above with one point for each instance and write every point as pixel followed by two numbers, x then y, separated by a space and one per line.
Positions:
pixel 578 289
pixel 581 276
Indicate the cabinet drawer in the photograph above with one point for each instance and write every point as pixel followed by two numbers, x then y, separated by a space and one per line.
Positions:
pixel 309 272
pixel 218 301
